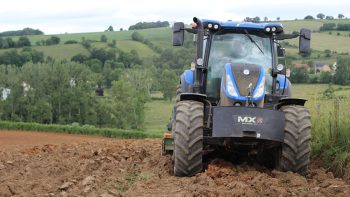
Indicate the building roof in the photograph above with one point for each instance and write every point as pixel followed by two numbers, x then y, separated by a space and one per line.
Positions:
pixel 302 66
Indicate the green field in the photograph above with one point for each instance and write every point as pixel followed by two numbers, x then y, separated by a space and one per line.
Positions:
pixel 161 37
pixel 158 113
pixel 321 42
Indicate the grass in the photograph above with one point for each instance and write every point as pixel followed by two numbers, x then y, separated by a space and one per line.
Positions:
pixel 313 25
pixel 76 129
pixel 158 113
pixel 334 33
pixel 321 42
pixel 330 124
pixel 142 49
pixel 295 25
pixel 63 51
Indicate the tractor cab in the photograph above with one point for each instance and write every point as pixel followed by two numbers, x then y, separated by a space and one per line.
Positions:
pixel 238 61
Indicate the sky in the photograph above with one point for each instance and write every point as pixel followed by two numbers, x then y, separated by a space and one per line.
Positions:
pixel 74 16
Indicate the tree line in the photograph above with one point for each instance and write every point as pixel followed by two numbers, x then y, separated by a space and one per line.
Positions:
pixel 334 26
pixel 25 32
pixel 147 25
pixel 63 92
pixel 23 41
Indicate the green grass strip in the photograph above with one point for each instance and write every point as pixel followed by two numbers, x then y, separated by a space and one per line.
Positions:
pixel 75 129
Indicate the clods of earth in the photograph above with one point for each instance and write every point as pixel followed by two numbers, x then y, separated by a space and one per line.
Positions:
pixel 46 164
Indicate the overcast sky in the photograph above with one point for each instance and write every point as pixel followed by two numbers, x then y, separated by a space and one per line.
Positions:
pixel 72 16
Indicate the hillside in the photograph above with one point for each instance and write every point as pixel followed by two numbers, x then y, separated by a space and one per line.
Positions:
pixel 161 37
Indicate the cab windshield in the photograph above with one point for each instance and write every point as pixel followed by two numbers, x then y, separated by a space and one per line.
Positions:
pixel 237 48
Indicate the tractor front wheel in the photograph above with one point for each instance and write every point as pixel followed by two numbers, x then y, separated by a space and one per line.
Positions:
pixel 188 138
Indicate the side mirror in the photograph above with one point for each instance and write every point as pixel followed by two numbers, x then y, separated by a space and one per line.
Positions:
pixel 178 34
pixel 304 41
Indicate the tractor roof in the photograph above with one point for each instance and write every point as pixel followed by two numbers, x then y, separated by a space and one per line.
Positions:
pixel 243 25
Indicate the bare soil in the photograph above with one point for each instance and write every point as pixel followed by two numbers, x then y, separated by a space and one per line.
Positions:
pixel 47 164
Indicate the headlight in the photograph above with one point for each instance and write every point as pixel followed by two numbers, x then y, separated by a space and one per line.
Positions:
pixel 280 67
pixel 210 25
pixel 267 29
pixel 273 29
pixel 261 88
pixel 230 88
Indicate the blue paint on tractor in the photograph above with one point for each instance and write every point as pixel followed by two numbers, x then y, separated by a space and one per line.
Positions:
pixel 239 97
pixel 189 76
pixel 281 79
pixel 231 24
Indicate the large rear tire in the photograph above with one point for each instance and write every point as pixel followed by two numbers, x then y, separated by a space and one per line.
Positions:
pixel 295 154
pixel 188 138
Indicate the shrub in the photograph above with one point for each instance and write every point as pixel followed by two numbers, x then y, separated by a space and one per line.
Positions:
pixel 71 42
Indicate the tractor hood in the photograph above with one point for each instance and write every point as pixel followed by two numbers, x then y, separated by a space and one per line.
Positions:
pixel 241 81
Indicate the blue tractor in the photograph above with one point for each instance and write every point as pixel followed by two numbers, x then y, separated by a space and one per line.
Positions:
pixel 238 98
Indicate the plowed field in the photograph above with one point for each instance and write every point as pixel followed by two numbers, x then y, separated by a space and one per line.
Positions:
pixel 46 164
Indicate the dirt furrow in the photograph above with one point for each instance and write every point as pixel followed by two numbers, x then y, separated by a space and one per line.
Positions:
pixel 41 164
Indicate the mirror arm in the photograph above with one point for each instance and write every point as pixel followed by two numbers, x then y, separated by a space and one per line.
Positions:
pixel 302 35
pixel 287 36
pixel 190 30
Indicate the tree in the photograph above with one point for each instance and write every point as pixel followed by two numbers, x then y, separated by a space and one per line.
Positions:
pixel 110 28
pixel 95 65
pixel 102 54
pixel 23 41
pixel 278 18
pixel 309 17
pixel 299 75
pixel 11 57
pixel 113 44
pixel 136 36
pixel 320 16
pixel 146 25
pixel 343 27
pixel 326 77
pixel 341 16
pixel 168 84
pixel 254 19
pixel 342 74
pixel 328 26
pixel 25 31
pixel 266 19
pixel 10 43
pixel 52 40
pixel 121 29
pixel 79 58
pixel 86 44
pixel 329 17
pixel 129 94
pixel 103 38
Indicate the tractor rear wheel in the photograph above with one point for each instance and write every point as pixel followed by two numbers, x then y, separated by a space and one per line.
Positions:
pixel 295 152
pixel 188 138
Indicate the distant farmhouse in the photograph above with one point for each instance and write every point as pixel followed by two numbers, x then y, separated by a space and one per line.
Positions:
pixel 306 66
pixel 317 67
pixel 322 67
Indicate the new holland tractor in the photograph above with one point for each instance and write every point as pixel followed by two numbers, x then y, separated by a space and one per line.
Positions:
pixel 238 98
